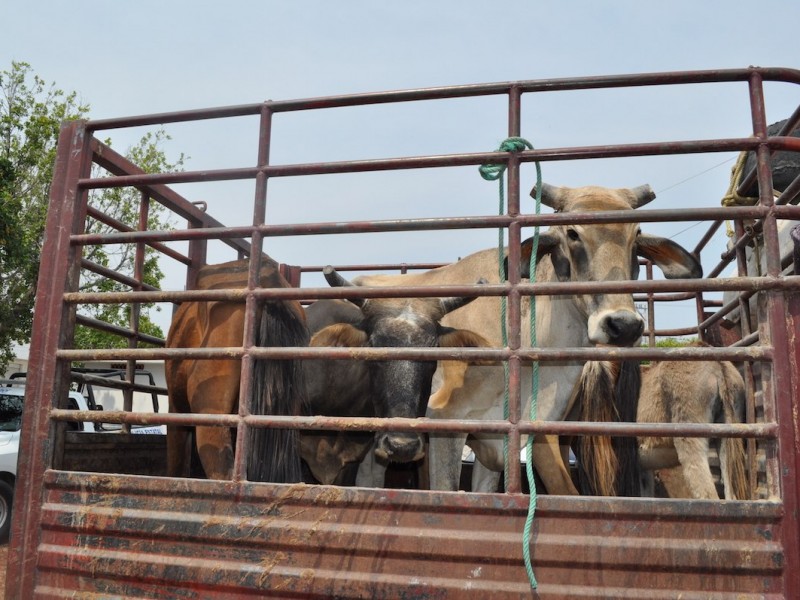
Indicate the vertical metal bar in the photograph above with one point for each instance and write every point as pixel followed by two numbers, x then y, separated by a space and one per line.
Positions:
pixel 138 275
pixel 45 389
pixel 515 392
pixel 767 313
pixel 794 354
pixel 651 308
pixel 783 465
pixel 791 401
pixel 701 315
pixel 745 327
pixel 243 442
pixel 198 250
pixel 291 273
pixel 745 323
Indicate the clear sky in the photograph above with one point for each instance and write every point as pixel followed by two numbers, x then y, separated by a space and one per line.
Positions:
pixel 126 58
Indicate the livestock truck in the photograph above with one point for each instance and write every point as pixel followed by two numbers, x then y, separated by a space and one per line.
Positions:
pixel 373 181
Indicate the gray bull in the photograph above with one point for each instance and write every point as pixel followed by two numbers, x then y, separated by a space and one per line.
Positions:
pixel 391 388
pixel 592 252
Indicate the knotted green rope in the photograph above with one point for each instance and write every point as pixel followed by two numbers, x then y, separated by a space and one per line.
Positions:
pixel 494 173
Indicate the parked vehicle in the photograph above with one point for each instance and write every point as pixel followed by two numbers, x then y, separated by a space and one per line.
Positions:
pixel 12 400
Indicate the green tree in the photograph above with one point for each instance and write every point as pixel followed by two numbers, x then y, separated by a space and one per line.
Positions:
pixel 30 117
pixel 31 112
pixel 123 205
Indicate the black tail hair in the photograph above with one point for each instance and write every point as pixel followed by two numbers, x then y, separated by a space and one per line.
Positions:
pixel 611 393
pixel 278 389
pixel 627 448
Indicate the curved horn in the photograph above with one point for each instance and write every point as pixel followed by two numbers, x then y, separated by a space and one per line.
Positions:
pixel 334 279
pixel 642 195
pixel 454 302
pixel 552 196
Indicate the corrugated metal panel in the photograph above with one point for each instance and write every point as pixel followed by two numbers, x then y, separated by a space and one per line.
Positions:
pixel 158 538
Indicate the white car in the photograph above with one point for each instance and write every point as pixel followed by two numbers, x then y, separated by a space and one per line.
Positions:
pixel 12 397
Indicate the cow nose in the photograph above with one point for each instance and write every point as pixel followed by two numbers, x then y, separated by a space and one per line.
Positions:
pixel 400 447
pixel 623 328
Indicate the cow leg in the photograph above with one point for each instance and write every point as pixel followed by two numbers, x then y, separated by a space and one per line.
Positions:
pixel 647 483
pixel 179 451
pixel 726 470
pixel 549 465
pixel 693 454
pixel 371 473
pixel 484 479
pixel 216 451
pixel 179 438
pixel 488 465
pixel 214 389
pixel 674 483
pixel 445 460
pixel 658 457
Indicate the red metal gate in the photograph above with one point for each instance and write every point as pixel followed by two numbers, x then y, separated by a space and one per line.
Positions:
pixel 112 534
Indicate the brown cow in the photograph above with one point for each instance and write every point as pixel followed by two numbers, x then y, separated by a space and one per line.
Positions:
pixel 212 386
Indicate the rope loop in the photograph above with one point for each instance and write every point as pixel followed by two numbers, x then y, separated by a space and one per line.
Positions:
pixel 493 172
pixel 732 197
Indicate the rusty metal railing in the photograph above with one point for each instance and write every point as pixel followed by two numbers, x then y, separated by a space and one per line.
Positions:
pixel 59 300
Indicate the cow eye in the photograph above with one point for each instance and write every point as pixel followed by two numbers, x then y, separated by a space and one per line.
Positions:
pixel 573 235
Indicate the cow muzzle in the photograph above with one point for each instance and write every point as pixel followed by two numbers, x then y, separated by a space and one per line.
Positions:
pixel 399 447
pixel 616 328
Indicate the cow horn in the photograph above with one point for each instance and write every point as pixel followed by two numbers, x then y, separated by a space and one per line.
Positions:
pixel 334 279
pixel 642 195
pixel 454 302
pixel 552 196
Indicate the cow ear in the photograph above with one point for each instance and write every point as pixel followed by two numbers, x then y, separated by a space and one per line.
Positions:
pixel 671 258
pixel 464 338
pixel 461 338
pixel 547 243
pixel 453 372
pixel 341 335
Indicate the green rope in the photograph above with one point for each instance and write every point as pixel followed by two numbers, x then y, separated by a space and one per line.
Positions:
pixel 494 173
pixel 526 532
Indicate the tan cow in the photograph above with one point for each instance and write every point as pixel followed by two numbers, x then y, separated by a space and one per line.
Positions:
pixel 694 392
pixel 595 252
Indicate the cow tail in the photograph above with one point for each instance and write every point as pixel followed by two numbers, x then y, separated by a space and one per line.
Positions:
pixel 597 461
pixel 626 400
pixel 278 389
pixel 608 466
pixel 732 396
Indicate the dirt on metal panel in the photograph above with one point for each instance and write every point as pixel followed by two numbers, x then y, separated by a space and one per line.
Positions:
pixel 150 537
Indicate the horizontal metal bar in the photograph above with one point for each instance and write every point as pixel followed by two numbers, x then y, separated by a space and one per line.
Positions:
pixel 122 227
pixel 767 430
pixel 117 330
pixel 119 165
pixel 424 162
pixel 428 224
pixel 463 91
pixel 98 269
pixel 762 283
pixel 757 353
pixel 117 384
